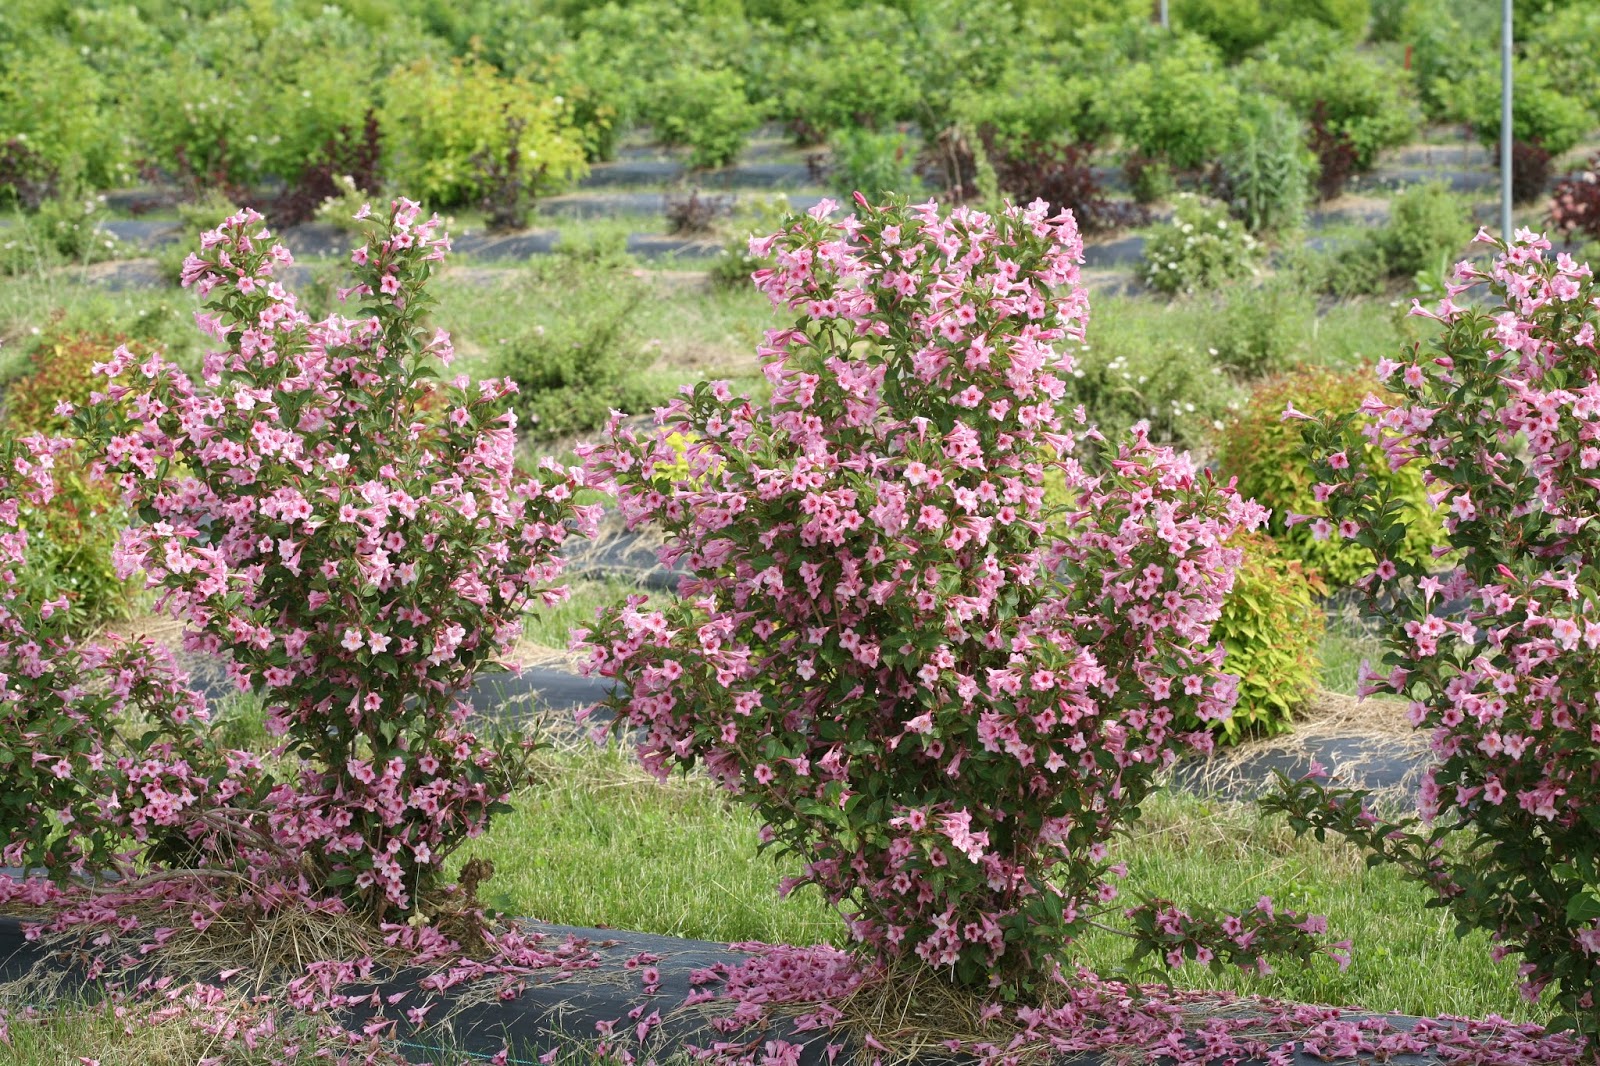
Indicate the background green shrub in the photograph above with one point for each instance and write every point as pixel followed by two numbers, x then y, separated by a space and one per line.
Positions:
pixel 1265 174
pixel 705 110
pixel 1542 112
pixel 1364 97
pixel 1427 226
pixel 1260 329
pixel 873 164
pixel 582 358
pixel 1200 248
pixel 53 101
pixel 1565 44
pixel 1036 103
pixel 851 71
pixel 1271 625
pixel 1265 453
pixel 1238 26
pixel 1180 106
pixel 440 116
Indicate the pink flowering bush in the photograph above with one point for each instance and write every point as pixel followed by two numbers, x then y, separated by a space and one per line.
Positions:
pixel 73 788
pixel 353 540
pixel 1498 658
pixel 946 711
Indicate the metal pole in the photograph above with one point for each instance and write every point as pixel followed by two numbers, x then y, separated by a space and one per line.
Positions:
pixel 1164 24
pixel 1505 120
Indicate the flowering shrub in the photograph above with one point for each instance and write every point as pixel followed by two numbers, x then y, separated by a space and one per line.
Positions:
pixel 945 710
pixel 1497 657
pixel 71 539
pixel 72 789
pixel 1265 455
pixel 1200 248
pixel 1271 625
pixel 356 549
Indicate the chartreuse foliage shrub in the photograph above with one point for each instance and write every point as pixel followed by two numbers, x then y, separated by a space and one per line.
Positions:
pixel 55 105
pixel 460 118
pixel 70 541
pixel 1265 453
pixel 1200 247
pixel 1499 416
pixel 1271 625
pixel 922 692
pixel 355 541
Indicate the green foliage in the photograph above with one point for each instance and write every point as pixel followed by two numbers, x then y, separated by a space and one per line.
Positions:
pixel 1238 26
pixel 580 360
pixel 1180 106
pixel 705 110
pixel 732 269
pixel 1151 180
pixel 1266 171
pixel 1542 112
pixel 1364 97
pixel 1272 627
pixel 1565 45
pixel 853 71
pixel 1171 384
pixel 1266 454
pixel 1260 329
pixel 443 120
pixel 1428 224
pixel 1036 103
pixel 71 539
pixel 877 165
pixel 62 231
pixel 53 101
pixel 1200 248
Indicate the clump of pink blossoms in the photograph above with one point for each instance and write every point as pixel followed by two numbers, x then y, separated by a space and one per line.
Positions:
pixel 1498 654
pixel 354 540
pixel 944 709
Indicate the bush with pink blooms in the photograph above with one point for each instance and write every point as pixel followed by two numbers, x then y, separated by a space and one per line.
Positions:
pixel 946 711
pixel 73 788
pixel 353 540
pixel 1498 658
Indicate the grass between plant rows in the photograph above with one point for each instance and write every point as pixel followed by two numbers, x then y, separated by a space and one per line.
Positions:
pixel 600 843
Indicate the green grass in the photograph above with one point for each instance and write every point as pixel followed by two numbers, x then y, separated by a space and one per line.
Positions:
pixel 600 844
pixel 551 627
pixel 1345 643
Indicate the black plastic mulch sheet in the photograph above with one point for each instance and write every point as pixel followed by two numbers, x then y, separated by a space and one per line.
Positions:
pixel 607 1004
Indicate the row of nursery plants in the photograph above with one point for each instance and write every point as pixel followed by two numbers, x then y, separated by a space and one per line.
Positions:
pixel 943 679
pixel 490 104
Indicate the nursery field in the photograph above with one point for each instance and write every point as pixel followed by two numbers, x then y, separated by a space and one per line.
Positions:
pixel 937 585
